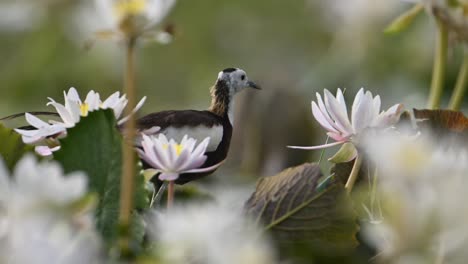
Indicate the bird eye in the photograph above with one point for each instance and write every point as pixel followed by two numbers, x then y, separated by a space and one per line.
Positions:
pixel 243 77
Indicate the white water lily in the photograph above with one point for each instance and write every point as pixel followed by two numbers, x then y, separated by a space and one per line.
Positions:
pixel 332 114
pixel 171 158
pixel 210 234
pixel 46 133
pixel 37 221
pixel 133 17
pixel 421 186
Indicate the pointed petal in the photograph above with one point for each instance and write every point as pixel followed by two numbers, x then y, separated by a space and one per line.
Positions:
pixel 324 111
pixel 340 117
pixel 363 115
pixel 317 147
pixel 205 169
pixel 323 121
pixel 137 107
pixel 35 122
pixel 72 95
pixel 341 101
pixel 64 114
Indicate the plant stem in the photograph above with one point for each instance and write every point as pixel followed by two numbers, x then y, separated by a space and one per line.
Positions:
pixel 354 173
pixel 460 87
pixel 128 169
pixel 438 73
pixel 170 194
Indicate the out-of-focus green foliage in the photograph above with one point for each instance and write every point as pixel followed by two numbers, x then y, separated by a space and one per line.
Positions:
pixel 12 147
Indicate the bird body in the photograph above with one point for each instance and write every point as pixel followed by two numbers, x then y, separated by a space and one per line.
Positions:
pixel 215 123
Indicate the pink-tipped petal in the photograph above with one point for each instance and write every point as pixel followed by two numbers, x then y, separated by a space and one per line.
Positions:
pixel 317 147
pixel 323 121
pixel 324 111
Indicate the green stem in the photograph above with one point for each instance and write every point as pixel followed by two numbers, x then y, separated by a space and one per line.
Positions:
pixel 354 173
pixel 128 168
pixel 438 73
pixel 460 87
pixel 170 194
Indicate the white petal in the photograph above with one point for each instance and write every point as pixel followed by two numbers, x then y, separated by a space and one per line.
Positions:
pixel 35 122
pixel 323 121
pixel 118 112
pixel 64 114
pixel 317 147
pixel 324 111
pixel 72 95
pixel 341 101
pixel 334 108
pixel 363 115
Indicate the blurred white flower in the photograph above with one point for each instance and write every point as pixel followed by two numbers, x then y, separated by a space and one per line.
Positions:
pixel 46 134
pixel 422 185
pixel 171 158
pixel 208 234
pixel 133 17
pixel 332 115
pixel 37 222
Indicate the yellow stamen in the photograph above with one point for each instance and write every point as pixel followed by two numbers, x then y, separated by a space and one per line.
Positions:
pixel 84 109
pixel 178 149
pixel 125 8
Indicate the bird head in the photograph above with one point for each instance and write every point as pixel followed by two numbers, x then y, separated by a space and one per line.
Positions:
pixel 235 80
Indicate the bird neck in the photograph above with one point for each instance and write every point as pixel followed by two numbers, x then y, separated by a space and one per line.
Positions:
pixel 222 102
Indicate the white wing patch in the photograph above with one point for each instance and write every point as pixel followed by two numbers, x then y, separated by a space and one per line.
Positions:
pixel 199 133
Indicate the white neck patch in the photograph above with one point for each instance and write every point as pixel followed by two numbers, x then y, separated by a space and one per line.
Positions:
pixel 231 110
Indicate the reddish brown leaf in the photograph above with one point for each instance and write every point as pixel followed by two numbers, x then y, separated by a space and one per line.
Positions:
pixel 443 120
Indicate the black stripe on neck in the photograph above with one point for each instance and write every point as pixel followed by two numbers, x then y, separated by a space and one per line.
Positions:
pixel 220 98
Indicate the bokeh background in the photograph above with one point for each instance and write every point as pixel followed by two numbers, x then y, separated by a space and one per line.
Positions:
pixel 292 48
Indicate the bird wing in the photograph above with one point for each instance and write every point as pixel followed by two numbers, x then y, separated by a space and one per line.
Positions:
pixel 176 124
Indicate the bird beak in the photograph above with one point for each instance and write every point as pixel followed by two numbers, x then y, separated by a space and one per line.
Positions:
pixel 253 85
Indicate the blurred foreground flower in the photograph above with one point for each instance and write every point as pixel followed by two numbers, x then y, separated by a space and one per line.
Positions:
pixel 46 134
pixel 422 185
pixel 39 219
pixel 208 234
pixel 171 158
pixel 332 115
pixel 133 18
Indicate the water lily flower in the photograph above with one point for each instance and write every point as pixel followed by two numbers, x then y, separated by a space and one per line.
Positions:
pixel 171 158
pixel 70 113
pixel 208 233
pixel 133 17
pixel 332 115
pixel 38 222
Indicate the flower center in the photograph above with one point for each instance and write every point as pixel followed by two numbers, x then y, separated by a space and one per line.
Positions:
pixel 125 8
pixel 177 147
pixel 84 108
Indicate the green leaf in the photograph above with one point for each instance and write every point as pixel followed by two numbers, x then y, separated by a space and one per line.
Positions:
pixel 12 147
pixel 346 153
pixel 300 216
pixel 94 146
pixel 404 20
